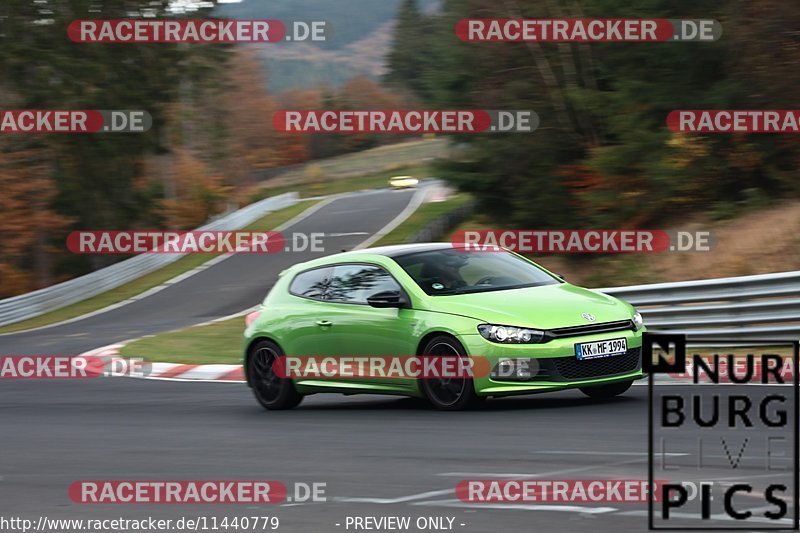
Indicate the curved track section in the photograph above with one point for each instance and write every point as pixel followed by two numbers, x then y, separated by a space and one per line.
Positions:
pixel 227 287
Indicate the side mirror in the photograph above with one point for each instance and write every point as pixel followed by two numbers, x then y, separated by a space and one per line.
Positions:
pixel 387 299
pixel 559 276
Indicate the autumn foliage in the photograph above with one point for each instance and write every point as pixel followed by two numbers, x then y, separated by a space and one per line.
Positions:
pixel 27 220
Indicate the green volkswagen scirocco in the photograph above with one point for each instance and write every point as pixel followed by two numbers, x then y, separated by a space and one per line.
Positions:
pixel 537 332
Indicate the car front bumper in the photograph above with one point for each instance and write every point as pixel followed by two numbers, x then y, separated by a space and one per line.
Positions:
pixel 555 366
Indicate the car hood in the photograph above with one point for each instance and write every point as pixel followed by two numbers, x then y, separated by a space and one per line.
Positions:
pixel 544 307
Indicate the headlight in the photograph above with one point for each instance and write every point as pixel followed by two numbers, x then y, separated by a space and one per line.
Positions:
pixel 510 334
pixel 637 320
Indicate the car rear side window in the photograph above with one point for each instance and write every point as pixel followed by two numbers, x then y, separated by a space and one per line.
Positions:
pixel 311 283
pixel 355 283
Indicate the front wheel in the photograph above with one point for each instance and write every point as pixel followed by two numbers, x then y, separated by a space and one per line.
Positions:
pixel 607 391
pixel 271 391
pixel 448 393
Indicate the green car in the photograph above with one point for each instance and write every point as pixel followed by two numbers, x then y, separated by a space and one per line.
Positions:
pixel 531 330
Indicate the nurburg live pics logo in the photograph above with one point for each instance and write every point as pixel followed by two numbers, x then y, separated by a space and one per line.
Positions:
pixel 727 450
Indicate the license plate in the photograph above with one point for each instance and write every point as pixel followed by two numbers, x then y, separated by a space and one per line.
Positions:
pixel 598 349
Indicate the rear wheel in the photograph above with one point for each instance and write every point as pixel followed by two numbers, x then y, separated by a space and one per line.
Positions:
pixel 607 391
pixel 271 391
pixel 448 393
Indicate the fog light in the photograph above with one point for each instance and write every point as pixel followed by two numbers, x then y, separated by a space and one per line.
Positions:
pixel 523 371
pixel 515 369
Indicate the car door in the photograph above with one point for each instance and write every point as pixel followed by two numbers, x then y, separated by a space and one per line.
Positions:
pixel 357 329
pixel 308 329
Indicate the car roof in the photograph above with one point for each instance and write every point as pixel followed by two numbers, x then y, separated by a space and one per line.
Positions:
pixel 373 253
pixel 402 249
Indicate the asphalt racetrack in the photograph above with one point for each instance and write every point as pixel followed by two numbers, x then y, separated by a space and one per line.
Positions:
pixel 376 456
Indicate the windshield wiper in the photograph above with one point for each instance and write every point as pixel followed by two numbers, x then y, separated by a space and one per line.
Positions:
pixel 502 288
pixel 448 292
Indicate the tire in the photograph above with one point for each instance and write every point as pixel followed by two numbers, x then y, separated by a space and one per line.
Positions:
pixel 448 394
pixel 607 391
pixel 271 392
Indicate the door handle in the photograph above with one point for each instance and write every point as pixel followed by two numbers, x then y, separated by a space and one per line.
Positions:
pixel 324 323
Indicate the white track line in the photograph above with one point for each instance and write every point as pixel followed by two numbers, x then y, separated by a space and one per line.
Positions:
pixel 481 475
pixel 715 517
pixel 631 454
pixel 413 205
pixel 401 499
pixel 519 507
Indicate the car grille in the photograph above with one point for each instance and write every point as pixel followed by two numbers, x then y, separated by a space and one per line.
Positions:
pixel 588 329
pixel 570 368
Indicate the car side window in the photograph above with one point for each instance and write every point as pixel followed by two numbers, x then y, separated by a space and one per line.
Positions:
pixel 356 283
pixel 311 283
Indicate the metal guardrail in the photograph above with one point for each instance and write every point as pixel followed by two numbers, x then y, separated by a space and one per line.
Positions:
pixel 762 307
pixel 57 296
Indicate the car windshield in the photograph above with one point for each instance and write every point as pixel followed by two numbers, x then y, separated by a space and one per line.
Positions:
pixel 453 271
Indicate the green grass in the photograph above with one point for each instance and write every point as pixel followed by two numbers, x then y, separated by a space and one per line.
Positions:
pixel 215 343
pixel 423 216
pixel 138 286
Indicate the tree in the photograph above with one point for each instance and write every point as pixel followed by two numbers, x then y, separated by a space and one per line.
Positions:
pixel 250 135
pixel 97 179
pixel 602 155
pixel 28 225
pixel 408 54
pixel 199 193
